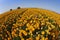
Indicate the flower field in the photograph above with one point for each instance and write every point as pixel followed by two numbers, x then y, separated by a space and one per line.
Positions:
pixel 29 24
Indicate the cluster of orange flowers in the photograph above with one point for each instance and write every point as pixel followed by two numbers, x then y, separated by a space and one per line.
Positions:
pixel 29 24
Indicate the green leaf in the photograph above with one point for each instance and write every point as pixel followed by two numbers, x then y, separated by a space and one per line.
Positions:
pixel 51 20
pixel 0 38
pixel 23 27
pixel 17 38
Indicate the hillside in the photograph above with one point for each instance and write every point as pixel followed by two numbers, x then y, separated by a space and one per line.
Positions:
pixel 29 24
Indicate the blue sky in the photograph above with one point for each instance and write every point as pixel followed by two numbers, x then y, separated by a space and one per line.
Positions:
pixel 53 5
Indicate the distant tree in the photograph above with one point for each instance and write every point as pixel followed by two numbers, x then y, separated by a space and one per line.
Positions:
pixel 18 7
pixel 10 9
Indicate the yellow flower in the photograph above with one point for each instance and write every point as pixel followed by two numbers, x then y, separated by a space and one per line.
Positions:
pixel 36 26
pixel 42 38
pixel 47 31
pixel 48 22
pixel 13 33
pixel 24 32
pixel 42 32
pixel 8 38
pixel 49 28
pixel 53 35
pixel 42 23
pixel 22 38
pixel 31 21
pixel 52 26
pixel 26 29
pixel 37 38
pixel 14 30
pixel 30 28
pixel 46 38
pixel 27 24
pixel 29 39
